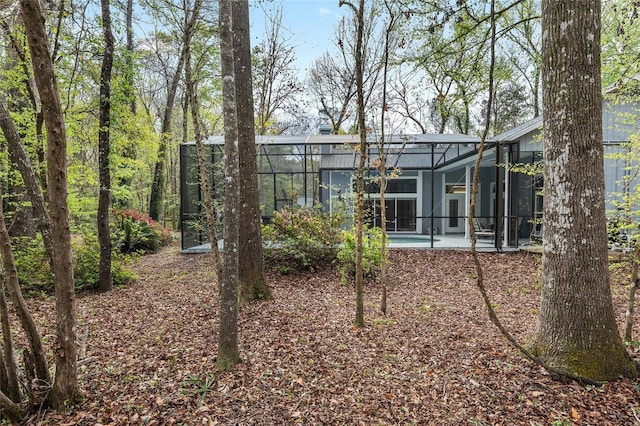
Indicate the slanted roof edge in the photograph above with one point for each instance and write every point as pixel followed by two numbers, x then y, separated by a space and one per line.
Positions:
pixel 313 139
pixel 513 135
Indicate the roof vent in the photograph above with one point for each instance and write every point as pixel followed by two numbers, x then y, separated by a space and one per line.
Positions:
pixel 325 129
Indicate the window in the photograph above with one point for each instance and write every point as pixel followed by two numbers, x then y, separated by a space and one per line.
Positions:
pixel 394 186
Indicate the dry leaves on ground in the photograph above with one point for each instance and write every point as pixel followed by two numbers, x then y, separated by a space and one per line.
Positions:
pixel 434 359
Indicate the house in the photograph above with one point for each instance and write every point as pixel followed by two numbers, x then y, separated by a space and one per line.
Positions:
pixel 429 194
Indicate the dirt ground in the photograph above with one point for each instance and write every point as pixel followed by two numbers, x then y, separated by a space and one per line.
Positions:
pixel 435 359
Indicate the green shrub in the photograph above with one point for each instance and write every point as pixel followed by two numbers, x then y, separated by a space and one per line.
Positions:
pixel 86 264
pixel 371 253
pixel 302 238
pixel 135 232
pixel 35 276
pixel 32 265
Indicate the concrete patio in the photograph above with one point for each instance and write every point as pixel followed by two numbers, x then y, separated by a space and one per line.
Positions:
pixel 414 241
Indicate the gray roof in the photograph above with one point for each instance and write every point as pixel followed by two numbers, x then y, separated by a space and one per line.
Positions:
pixel 513 135
pixel 350 161
pixel 354 139
pixel 409 157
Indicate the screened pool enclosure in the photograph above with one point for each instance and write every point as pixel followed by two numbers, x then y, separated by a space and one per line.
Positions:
pixel 428 192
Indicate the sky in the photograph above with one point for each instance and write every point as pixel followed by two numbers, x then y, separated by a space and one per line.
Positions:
pixel 309 24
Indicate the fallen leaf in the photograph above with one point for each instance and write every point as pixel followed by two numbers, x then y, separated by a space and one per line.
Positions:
pixel 203 409
pixel 574 414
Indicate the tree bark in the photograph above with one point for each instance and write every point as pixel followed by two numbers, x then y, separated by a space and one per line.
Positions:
pixel 4 379
pixel 10 409
pixel 10 371
pixel 65 388
pixel 158 185
pixel 22 160
pixel 577 331
pixel 203 165
pixel 359 15
pixel 12 284
pixel 384 151
pixel 105 282
pixel 228 353
pixel 253 283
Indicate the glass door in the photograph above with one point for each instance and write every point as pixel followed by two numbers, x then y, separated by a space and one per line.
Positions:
pixel 454 213
pixel 400 214
pixel 405 215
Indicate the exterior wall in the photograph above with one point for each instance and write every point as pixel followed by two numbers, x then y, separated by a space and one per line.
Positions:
pixel 614 172
pixel 531 142
pixel 619 121
pixel 615 133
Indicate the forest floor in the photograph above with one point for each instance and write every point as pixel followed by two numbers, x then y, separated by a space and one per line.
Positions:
pixel 435 359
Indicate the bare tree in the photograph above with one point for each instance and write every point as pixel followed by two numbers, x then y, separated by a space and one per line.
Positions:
pixel 332 78
pixel 358 12
pixel 410 101
pixel 381 162
pixel 333 86
pixel 277 84
pixel 524 34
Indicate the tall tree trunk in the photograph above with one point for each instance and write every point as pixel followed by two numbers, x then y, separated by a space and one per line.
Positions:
pixel 65 388
pixel 383 154
pixel 22 160
pixel 359 14
pixel 203 164
pixel 158 185
pixel 253 284
pixel 104 147
pixel 577 330
pixel 228 353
